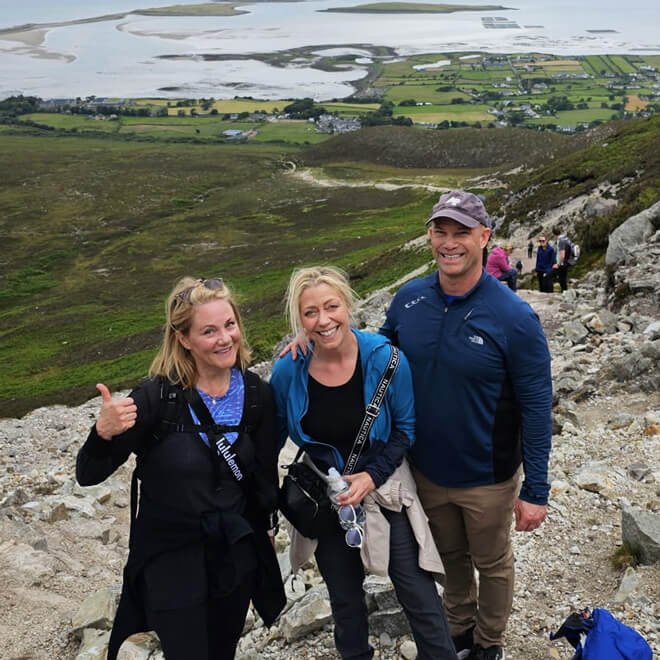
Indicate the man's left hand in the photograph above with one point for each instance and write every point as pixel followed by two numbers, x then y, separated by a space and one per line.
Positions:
pixel 528 516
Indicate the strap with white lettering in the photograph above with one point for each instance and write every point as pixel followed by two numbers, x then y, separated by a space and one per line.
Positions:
pixel 372 410
pixel 223 449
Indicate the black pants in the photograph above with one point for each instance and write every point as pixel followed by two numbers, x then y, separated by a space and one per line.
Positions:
pixel 546 282
pixel 562 276
pixel 341 568
pixel 209 631
pixel 511 278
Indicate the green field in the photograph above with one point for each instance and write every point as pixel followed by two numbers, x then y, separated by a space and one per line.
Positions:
pixel 198 128
pixel 349 109
pixel 437 114
pixel 571 118
pixel 423 94
pixel 293 132
pixel 73 122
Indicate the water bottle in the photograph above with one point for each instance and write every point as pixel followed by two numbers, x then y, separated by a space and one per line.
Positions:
pixel 336 485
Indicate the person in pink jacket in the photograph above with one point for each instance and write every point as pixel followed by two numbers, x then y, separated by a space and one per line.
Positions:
pixel 500 268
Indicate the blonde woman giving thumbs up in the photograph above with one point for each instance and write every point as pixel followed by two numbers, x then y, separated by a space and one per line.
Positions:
pixel 202 428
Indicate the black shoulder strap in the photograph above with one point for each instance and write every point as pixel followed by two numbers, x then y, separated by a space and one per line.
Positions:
pixel 372 409
pixel 221 449
pixel 252 403
pixel 170 408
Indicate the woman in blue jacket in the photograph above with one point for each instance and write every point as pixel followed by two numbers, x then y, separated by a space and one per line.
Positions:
pixel 320 399
pixel 545 260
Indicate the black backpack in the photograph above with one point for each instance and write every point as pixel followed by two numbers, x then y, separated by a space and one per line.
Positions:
pixel 173 406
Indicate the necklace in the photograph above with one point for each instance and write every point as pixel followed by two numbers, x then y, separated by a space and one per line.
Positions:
pixel 214 399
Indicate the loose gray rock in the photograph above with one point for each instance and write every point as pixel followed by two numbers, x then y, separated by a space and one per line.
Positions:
pixel 408 650
pixel 96 611
pixel 393 622
pixel 94 644
pixel 641 531
pixel 628 585
pixel 307 615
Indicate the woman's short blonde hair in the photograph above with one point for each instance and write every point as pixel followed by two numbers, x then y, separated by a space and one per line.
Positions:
pixel 304 278
pixel 175 362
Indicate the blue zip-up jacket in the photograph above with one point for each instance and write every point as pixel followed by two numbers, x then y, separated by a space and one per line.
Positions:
pixel 483 388
pixel 393 431
pixel 545 259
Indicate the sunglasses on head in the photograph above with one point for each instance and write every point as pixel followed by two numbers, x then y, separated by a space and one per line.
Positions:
pixel 211 283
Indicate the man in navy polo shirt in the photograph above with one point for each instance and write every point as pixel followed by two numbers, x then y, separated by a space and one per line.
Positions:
pixel 483 397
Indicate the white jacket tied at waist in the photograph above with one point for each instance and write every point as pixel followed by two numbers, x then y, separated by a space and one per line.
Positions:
pixel 398 492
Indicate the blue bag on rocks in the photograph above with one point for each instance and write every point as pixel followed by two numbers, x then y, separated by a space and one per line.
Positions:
pixel 599 636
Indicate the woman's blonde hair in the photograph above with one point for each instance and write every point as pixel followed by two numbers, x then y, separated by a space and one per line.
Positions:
pixel 304 278
pixel 175 362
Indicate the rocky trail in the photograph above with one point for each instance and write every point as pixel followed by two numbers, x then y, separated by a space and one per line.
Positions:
pixel 62 547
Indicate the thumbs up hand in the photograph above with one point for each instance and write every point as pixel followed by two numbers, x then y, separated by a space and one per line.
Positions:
pixel 117 415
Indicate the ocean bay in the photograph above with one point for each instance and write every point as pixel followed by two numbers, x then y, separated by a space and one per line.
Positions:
pixel 172 56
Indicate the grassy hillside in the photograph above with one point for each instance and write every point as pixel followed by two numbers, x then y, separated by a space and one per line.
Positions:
pixel 626 153
pixel 96 231
pixel 398 146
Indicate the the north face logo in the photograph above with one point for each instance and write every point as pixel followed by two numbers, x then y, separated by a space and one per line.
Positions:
pixel 454 201
pixel 476 339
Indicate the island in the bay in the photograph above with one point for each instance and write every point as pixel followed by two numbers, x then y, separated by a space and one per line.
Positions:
pixel 411 8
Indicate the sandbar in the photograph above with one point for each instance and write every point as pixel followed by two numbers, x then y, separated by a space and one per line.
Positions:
pixel 32 37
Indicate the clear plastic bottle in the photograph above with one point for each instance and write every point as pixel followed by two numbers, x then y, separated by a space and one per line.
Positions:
pixel 336 485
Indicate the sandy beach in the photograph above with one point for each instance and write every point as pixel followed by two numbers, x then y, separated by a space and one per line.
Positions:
pixel 31 43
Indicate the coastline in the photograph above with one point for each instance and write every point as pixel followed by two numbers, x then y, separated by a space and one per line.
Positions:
pixel 125 53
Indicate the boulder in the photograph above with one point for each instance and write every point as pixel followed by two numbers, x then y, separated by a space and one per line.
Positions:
pixel 630 235
pixel 641 531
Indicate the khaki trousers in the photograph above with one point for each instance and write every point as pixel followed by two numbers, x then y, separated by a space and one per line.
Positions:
pixel 472 530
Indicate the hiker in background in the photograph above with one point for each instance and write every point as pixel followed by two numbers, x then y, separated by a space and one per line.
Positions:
pixel 203 429
pixel 530 249
pixel 321 398
pixel 545 261
pixel 499 266
pixel 563 257
pixel 483 406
